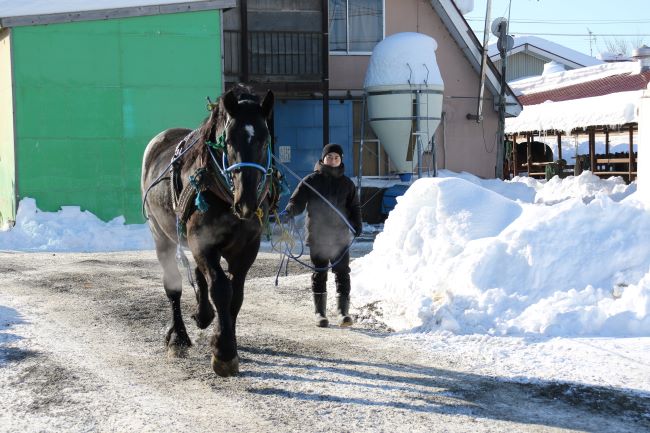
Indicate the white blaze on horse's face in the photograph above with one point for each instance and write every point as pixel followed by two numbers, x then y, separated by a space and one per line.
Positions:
pixel 251 132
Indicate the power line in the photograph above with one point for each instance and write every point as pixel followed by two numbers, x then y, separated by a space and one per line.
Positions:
pixel 578 34
pixel 565 22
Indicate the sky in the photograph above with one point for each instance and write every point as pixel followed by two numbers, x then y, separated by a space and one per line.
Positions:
pixel 531 280
pixel 557 19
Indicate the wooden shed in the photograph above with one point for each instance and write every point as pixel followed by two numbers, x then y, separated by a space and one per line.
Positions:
pixel 587 117
pixel 82 91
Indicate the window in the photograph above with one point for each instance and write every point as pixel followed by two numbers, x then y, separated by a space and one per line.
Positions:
pixel 355 26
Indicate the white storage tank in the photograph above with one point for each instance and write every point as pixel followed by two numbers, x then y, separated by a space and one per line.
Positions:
pixel 403 70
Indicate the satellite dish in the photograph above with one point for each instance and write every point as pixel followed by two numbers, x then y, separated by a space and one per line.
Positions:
pixel 505 44
pixel 496 24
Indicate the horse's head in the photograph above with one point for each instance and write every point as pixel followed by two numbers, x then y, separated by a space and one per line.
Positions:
pixel 247 148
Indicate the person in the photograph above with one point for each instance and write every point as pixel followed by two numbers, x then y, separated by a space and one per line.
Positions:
pixel 328 235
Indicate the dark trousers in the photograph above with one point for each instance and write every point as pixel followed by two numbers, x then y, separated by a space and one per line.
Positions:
pixel 321 258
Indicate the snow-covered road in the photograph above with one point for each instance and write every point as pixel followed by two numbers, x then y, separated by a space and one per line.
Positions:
pixel 81 350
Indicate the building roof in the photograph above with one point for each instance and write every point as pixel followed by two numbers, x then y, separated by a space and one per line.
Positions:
pixel 598 87
pixel 607 94
pixel 547 50
pixel 15 13
pixel 464 36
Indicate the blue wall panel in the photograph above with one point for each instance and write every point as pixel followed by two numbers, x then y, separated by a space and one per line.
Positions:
pixel 299 126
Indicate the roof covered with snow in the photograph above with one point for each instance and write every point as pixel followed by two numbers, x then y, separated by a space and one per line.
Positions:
pixel 613 109
pixel 602 95
pixel 598 87
pixel 572 77
pixel 547 49
pixel 34 12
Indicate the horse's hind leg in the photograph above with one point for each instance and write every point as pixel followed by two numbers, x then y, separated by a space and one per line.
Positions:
pixel 176 339
pixel 204 313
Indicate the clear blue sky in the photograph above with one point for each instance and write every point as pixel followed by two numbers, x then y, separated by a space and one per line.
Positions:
pixel 560 20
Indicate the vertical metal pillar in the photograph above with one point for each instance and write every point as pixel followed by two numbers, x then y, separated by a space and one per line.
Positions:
pixel 325 75
pixel 631 157
pixel 361 142
pixel 418 130
pixel 243 42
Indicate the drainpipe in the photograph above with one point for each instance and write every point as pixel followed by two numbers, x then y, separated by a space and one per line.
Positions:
pixel 243 41
pixel 325 77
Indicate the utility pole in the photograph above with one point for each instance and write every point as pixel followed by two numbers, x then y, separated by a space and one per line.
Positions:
pixel 504 45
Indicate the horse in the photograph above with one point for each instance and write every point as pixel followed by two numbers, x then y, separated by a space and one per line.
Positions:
pixel 213 199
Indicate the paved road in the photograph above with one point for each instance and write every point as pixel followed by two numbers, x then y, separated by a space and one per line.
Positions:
pixel 81 350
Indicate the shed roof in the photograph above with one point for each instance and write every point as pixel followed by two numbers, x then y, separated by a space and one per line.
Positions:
pixel 607 94
pixel 547 50
pixel 36 12
pixel 598 87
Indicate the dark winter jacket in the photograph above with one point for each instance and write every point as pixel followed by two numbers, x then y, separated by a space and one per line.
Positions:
pixel 324 225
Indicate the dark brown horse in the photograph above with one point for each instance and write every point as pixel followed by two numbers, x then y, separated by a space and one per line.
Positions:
pixel 212 201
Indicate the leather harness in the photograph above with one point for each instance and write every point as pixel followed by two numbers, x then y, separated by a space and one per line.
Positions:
pixel 184 198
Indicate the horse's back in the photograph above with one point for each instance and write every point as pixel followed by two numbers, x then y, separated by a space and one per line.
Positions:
pixel 159 152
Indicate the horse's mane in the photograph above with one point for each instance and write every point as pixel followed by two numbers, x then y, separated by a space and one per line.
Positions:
pixel 216 121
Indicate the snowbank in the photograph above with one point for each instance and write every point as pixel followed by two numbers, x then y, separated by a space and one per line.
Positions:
pixel 71 229
pixel 457 256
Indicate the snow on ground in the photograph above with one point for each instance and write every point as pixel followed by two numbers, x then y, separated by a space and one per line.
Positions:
pixel 523 279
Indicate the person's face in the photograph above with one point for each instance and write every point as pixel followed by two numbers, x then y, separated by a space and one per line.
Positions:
pixel 332 159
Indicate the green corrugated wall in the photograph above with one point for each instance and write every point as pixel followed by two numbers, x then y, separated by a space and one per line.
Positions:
pixel 90 95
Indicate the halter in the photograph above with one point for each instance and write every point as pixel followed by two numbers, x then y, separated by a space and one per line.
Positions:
pixel 225 170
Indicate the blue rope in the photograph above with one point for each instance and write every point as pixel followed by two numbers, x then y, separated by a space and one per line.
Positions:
pixel 195 181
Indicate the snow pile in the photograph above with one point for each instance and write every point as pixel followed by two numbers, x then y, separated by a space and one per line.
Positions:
pixel 71 229
pixel 404 59
pixel 456 256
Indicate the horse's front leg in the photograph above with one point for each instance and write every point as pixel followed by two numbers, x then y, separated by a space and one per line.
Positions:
pixel 225 361
pixel 204 313
pixel 176 339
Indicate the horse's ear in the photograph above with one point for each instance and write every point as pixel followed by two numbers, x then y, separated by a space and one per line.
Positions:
pixel 230 103
pixel 267 104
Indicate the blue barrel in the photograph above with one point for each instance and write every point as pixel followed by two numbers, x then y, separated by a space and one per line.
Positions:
pixel 389 199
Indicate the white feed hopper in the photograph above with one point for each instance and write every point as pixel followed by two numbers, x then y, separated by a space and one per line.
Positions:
pixel 402 71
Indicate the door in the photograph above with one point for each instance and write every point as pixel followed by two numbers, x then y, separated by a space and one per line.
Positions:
pixel 299 136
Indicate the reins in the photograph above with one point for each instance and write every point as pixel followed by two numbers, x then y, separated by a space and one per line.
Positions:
pixel 160 177
pixel 288 240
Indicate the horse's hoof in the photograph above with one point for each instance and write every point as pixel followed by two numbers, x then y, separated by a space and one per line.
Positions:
pixel 225 368
pixel 175 351
pixel 177 347
pixel 203 317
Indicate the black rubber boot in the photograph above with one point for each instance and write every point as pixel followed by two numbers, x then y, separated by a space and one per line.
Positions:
pixel 343 307
pixel 320 308
pixel 319 289
pixel 343 299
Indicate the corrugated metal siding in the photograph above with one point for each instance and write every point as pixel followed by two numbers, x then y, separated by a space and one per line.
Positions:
pixel 7 169
pixel 90 95
pixel 522 65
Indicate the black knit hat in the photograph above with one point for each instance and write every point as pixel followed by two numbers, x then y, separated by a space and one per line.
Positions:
pixel 331 148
